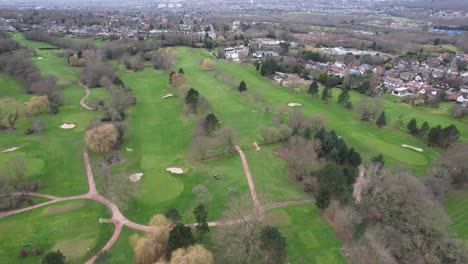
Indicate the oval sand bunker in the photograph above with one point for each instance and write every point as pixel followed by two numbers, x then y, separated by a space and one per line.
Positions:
pixel 67 126
pixel 175 170
pixel 294 104
pixel 136 177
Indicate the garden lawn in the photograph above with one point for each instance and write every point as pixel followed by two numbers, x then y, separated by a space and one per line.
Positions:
pixel 71 227
pixel 309 237
pixel 457 208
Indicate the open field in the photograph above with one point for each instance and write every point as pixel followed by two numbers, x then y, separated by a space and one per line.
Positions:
pixel 76 232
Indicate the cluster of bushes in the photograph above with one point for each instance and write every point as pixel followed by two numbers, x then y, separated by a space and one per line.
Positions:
pixel 191 97
pixel 450 172
pixel 212 140
pixel 80 58
pixel 334 149
pixel 99 74
pixel 269 66
pixel 7 45
pixel 24 252
pixel 442 137
pixel 66 43
pixel 134 63
pixel 459 111
pixel 172 242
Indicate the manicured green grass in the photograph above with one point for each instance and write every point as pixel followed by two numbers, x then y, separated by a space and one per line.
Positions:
pixel 270 177
pixel 71 227
pixel 309 238
pixel 323 28
pixel 95 95
pixel 160 134
pixel 457 208
pixel 10 87
pixel 49 62
pixel 53 156
pixel 366 137
pixel 121 251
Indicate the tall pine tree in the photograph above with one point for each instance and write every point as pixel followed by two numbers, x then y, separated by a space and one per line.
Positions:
pixel 192 100
pixel 313 88
pixel 326 95
pixel 343 98
pixel 413 127
pixel 201 215
pixel 211 124
pixel 381 121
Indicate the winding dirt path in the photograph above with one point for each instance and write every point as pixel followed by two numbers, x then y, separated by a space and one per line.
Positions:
pixel 119 220
pixel 248 174
pixel 360 182
pixel 82 101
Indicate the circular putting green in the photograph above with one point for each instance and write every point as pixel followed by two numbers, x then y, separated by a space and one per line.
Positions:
pixel 156 187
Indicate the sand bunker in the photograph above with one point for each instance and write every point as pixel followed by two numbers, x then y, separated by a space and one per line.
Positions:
pixel 411 147
pixel 129 149
pixel 10 149
pixel 67 126
pixel 39 58
pixel 167 96
pixel 175 170
pixel 257 147
pixel 136 177
pixel 294 104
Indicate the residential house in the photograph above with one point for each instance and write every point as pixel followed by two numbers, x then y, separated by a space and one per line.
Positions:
pixel 231 54
pixel 365 68
pixel 414 86
pixel 259 54
pixel 280 76
pixel 464 89
pixel 392 83
pixel 408 76
pixel 402 91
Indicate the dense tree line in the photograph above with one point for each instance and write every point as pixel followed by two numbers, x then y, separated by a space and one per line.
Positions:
pixel 442 137
pixel 7 45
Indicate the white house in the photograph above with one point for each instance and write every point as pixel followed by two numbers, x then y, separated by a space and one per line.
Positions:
pixel 462 99
pixel 231 54
pixel 402 91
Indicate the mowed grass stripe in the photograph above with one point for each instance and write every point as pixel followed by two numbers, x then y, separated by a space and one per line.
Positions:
pixel 457 208
pixel 310 239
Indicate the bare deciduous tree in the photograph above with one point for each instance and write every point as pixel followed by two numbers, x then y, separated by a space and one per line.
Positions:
pixel 195 254
pixel 164 59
